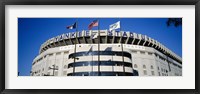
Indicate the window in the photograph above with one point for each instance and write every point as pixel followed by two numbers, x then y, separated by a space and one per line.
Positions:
pixel 134 51
pixel 161 58
pixel 142 52
pixel 39 59
pixel 149 53
pixel 102 74
pixel 152 72
pixel 151 67
pixel 58 53
pixel 144 66
pixel 116 53
pixel 66 52
pixel 33 63
pixel 135 66
pixel 104 63
pixel 145 72
pixel 159 73
pixel 166 70
pixel 51 54
pixel 158 68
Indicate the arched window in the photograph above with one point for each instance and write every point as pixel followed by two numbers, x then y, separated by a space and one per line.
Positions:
pixel 152 72
pixel 135 66
pixel 145 72
pixel 151 67
pixel 144 66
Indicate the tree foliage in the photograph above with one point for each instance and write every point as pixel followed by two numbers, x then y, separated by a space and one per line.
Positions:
pixel 174 21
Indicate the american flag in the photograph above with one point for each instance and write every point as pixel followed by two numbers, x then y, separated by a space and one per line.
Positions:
pixel 93 24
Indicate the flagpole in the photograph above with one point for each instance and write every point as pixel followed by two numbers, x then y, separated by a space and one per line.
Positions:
pixel 92 62
pixel 75 48
pixel 122 49
pixel 98 49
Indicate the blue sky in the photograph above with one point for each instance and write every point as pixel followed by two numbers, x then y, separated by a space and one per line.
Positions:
pixel 32 32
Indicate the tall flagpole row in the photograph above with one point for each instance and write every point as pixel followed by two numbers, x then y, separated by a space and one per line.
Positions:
pixel 75 48
pixel 122 49
pixel 99 62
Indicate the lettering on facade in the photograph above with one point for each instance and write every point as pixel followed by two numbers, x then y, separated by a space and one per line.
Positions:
pixel 87 33
pixel 124 34
pixel 131 35
pixel 110 33
pixel 73 35
pixel 90 33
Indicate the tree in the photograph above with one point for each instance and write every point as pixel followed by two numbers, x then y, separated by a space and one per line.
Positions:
pixel 174 21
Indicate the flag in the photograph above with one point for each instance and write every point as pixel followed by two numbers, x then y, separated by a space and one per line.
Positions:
pixel 115 26
pixel 93 24
pixel 72 26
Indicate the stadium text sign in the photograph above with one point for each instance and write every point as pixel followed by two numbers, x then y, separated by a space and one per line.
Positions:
pixel 93 33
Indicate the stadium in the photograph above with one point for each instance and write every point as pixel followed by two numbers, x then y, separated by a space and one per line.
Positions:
pixel 105 53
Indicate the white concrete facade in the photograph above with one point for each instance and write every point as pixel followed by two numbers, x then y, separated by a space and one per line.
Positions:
pixel 121 55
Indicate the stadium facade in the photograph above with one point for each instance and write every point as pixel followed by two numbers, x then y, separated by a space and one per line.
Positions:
pixel 114 53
